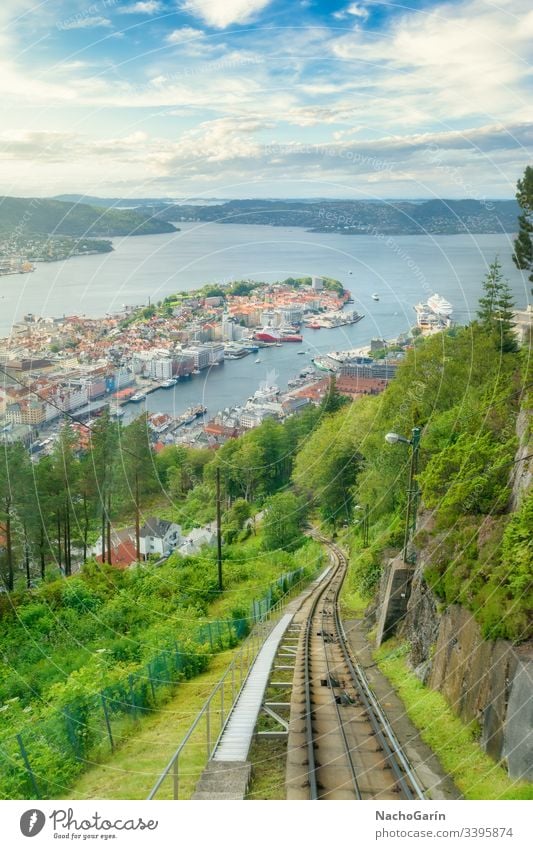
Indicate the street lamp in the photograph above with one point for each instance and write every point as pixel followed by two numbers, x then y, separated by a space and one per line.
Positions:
pixel 412 487
pixel 364 522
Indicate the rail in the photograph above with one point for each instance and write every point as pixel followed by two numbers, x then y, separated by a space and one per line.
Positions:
pixel 206 730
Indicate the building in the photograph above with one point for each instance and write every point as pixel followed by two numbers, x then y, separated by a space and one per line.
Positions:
pixel 200 356
pixel 317 284
pixel 161 369
pixel 378 369
pixel 291 314
pixel 159 537
pixel 523 328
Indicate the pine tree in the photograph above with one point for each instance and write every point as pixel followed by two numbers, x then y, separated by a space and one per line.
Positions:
pixel 496 308
pixel 523 245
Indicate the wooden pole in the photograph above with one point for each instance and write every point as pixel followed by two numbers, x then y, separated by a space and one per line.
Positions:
pixel 219 535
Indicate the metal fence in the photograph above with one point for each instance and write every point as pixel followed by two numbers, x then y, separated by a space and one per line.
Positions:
pixel 200 741
pixel 46 756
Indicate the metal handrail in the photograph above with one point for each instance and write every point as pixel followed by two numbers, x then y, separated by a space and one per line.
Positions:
pixel 254 640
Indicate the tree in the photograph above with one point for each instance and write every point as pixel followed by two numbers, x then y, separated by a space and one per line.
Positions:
pixel 523 244
pixel 333 400
pixel 139 469
pixel 496 309
pixel 284 515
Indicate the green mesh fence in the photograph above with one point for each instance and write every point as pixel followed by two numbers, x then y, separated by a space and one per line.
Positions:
pixel 44 758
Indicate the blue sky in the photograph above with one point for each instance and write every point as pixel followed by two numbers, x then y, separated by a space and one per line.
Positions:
pixel 251 98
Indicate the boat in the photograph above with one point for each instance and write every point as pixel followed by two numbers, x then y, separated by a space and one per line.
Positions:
pixel 375 296
pixel 439 305
pixel 258 360
pixel 166 384
pixel 301 353
pixel 271 334
pixel 138 396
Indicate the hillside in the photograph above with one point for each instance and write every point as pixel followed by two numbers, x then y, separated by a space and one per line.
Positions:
pixel 359 217
pixel 41 216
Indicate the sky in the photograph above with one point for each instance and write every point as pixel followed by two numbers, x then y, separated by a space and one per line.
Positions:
pixel 265 98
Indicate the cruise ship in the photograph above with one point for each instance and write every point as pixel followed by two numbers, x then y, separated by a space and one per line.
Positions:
pixel 433 316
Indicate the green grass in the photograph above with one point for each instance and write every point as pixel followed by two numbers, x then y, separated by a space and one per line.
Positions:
pixel 268 758
pixel 476 775
pixel 134 768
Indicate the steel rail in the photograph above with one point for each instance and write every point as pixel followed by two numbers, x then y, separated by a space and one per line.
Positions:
pixel 394 754
pixel 347 749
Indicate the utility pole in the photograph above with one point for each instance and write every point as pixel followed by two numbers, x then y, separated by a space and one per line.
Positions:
pixel 137 520
pixel 412 493
pixel 219 534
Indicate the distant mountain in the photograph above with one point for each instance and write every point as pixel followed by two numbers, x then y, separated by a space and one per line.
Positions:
pixel 360 217
pixel 53 217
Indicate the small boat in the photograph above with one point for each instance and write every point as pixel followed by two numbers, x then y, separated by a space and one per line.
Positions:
pixel 139 396
pixel 258 360
pixel 166 384
pixel 279 345
pixel 301 353
pixel 375 296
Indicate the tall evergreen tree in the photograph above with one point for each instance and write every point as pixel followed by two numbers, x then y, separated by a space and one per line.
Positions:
pixel 523 245
pixel 496 308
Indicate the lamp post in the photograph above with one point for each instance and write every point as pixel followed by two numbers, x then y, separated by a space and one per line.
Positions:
pixel 364 508
pixel 412 486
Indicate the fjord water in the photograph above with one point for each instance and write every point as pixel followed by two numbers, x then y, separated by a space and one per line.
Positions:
pixel 401 269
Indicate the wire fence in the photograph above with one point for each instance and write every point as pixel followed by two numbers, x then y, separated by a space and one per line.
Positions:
pixel 42 760
pixel 179 777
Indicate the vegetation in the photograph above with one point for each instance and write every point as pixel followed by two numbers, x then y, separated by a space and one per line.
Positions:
pixel 523 245
pixel 45 216
pixel 455 744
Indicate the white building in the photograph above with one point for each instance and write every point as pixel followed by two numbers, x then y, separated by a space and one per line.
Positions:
pixel 157 536
pixel 161 369
pixel 317 283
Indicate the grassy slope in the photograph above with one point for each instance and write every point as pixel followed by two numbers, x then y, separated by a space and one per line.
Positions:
pixel 134 768
pixel 455 744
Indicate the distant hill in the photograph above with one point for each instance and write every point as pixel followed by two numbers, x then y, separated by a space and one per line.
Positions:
pixel 360 217
pixel 26 216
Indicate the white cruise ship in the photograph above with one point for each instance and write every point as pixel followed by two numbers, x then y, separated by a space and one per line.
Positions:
pixel 440 306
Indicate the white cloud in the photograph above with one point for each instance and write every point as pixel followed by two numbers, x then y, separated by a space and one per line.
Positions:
pixel 356 10
pixel 87 22
pixel 222 13
pixel 148 7
pixel 183 34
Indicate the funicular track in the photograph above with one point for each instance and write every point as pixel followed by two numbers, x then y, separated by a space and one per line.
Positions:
pixel 341 745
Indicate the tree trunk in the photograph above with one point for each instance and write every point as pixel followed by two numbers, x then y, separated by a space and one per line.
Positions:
pixel 9 549
pixel 65 545
pixel 59 563
pixel 103 531
pixel 69 542
pixel 85 526
pixel 27 560
pixel 137 521
pixel 41 554
pixel 109 555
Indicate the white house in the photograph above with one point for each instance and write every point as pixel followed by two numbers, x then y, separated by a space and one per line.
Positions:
pixel 157 536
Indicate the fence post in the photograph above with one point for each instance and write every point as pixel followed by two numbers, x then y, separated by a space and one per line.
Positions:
pixel 28 767
pixel 107 722
pixel 176 777
pixel 132 697
pixel 208 728
pixel 222 704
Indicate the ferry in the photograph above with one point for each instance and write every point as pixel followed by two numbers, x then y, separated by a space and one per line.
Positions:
pixel 270 334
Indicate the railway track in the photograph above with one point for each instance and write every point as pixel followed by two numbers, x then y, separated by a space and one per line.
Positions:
pixel 341 745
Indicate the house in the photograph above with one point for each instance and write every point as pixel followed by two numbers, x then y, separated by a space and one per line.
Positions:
pixel 160 537
pixel 196 539
pixel 123 547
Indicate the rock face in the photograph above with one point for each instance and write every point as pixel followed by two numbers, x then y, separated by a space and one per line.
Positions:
pixel 486 681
